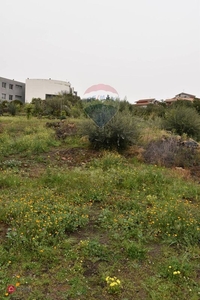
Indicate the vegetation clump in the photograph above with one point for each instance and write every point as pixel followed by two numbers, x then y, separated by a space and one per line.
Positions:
pixel 120 132
pixel 183 120
pixel 172 152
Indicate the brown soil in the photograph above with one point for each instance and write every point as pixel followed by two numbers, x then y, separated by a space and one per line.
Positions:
pixel 73 157
pixel 90 268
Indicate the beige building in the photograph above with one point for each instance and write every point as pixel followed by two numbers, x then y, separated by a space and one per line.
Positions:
pixel 46 88
pixel 182 96
pixel 145 102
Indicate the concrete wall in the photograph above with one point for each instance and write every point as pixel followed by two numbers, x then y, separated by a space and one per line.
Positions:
pixel 41 88
pixel 12 90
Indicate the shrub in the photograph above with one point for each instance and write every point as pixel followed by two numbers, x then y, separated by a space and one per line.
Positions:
pixel 120 132
pixel 59 106
pixel 12 108
pixel 171 152
pixel 29 110
pixel 183 120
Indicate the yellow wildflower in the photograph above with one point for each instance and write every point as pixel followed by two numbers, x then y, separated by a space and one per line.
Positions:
pixel 113 283
pixel 118 281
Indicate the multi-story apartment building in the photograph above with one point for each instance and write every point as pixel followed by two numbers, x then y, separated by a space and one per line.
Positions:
pixel 12 90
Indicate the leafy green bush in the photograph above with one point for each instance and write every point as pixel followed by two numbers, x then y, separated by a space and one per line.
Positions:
pixel 120 132
pixel 12 108
pixel 58 106
pixel 183 120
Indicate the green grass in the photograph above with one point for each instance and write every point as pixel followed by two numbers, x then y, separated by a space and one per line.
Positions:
pixel 64 230
pixel 25 137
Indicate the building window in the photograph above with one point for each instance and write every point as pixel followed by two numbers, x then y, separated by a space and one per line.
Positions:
pixel 10 97
pixel 3 96
pixel 10 86
pixel 17 97
pixel 3 84
pixel 18 86
pixel 49 96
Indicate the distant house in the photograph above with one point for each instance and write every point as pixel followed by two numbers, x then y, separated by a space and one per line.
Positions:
pixel 145 102
pixel 182 96
pixel 185 95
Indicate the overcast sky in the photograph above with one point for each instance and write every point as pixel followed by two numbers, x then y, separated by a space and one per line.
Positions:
pixel 143 48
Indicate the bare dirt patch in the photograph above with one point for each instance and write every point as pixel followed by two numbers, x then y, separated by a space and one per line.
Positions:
pixel 90 268
pixel 73 157
pixel 63 129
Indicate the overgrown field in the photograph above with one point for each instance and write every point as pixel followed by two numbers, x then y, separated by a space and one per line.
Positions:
pixel 76 223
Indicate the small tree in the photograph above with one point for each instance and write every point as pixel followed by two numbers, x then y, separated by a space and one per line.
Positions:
pixel 12 108
pixel 120 132
pixel 196 104
pixel 183 120
pixel 29 110
pixel 38 106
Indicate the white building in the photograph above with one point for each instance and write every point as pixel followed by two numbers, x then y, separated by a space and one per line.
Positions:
pixel 11 89
pixel 45 88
